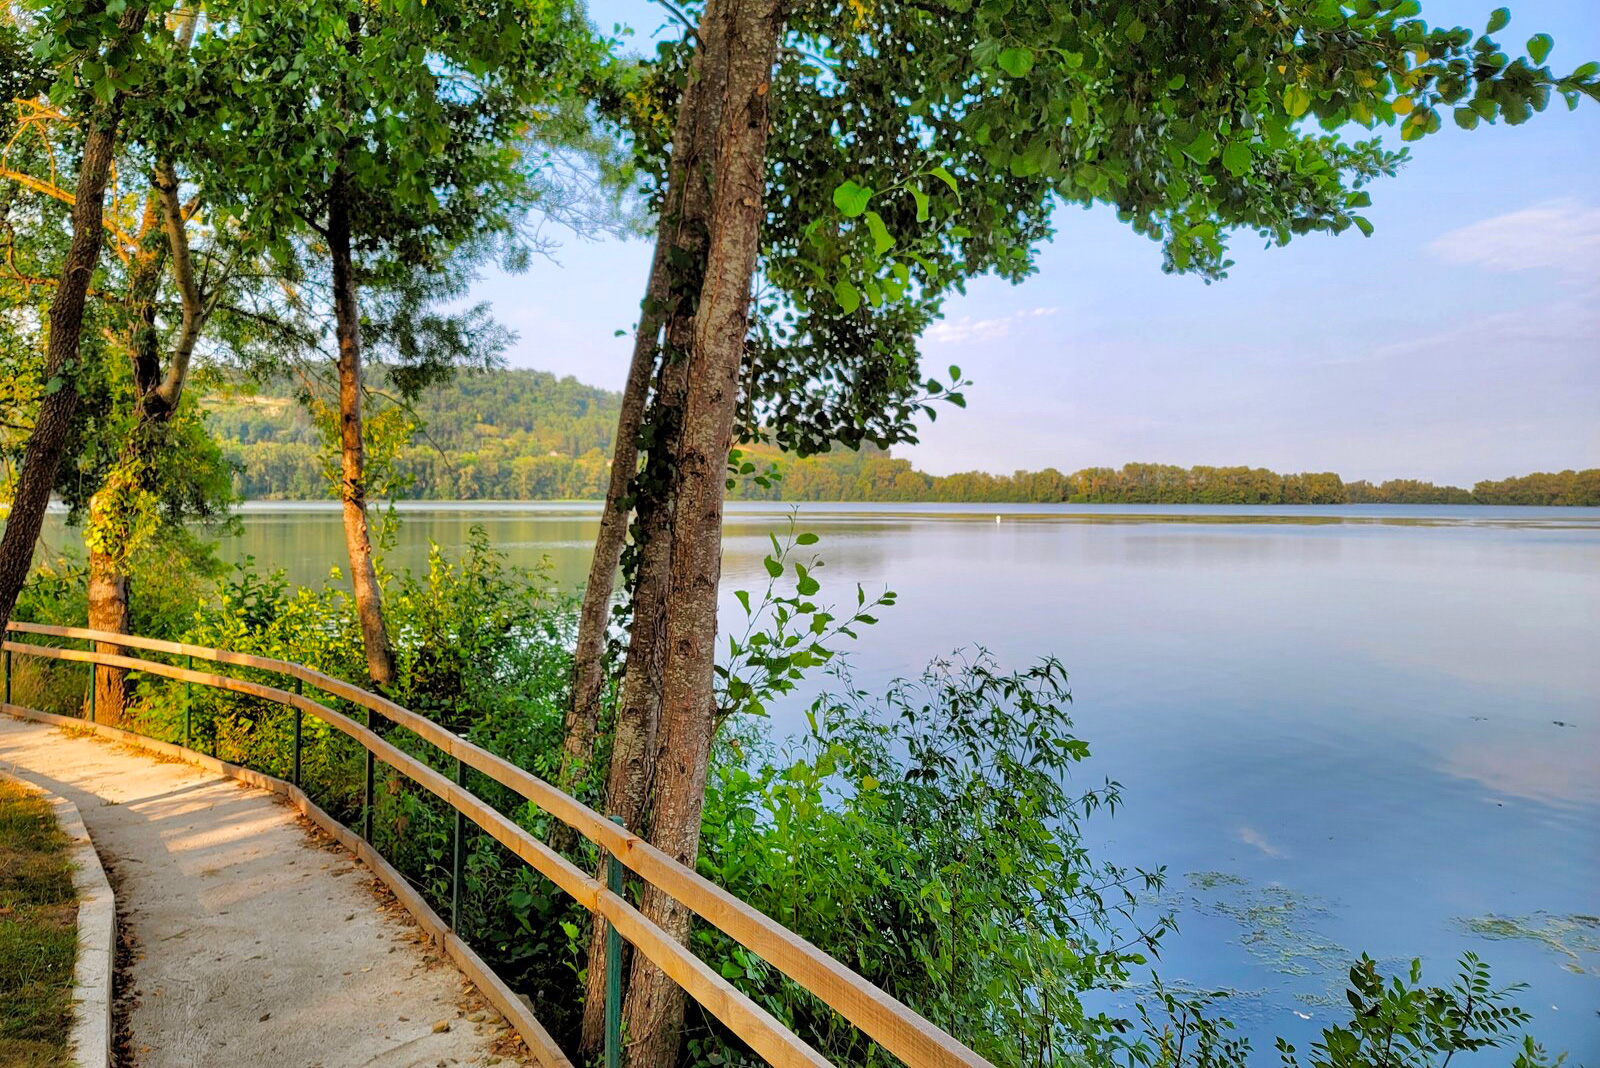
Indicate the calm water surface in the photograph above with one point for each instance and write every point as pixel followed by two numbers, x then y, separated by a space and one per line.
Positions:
pixel 1341 729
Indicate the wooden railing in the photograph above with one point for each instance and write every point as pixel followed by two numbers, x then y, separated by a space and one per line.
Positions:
pixel 891 1024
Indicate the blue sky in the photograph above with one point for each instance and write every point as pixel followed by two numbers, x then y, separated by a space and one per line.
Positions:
pixel 1460 342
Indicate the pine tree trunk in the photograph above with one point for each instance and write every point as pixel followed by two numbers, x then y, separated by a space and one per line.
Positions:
pixel 48 441
pixel 353 488
pixel 681 240
pixel 749 31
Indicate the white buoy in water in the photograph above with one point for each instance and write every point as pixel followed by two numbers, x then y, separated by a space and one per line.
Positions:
pixel 997 519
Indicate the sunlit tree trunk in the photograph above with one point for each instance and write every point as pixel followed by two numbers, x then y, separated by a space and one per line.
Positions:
pixel 352 453
pixel 108 583
pixel 108 611
pixel 156 395
pixel 681 244
pixel 746 34
pixel 48 441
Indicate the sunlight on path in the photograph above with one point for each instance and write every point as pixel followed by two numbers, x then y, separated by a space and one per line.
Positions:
pixel 255 942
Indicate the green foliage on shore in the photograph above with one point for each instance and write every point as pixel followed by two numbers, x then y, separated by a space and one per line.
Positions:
pixel 928 835
pixel 530 436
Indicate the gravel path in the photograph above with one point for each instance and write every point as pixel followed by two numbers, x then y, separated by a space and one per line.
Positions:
pixel 255 939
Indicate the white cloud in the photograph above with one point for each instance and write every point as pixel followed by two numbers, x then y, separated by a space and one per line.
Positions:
pixel 1252 837
pixel 1562 235
pixel 966 328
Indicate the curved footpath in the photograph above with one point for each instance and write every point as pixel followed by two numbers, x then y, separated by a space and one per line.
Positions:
pixel 255 940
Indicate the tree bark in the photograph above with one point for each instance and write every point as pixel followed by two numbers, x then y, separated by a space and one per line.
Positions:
pixel 588 662
pixel 156 398
pixel 108 584
pixel 681 240
pixel 352 451
pixel 162 400
pixel 748 32
pixel 42 457
pixel 108 611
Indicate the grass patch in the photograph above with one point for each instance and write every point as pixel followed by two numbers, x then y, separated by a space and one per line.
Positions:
pixel 38 933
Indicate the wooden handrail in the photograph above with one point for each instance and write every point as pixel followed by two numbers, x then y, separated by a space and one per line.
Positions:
pixel 895 1026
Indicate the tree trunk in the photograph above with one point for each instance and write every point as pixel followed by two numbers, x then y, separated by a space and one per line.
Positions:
pixel 749 31
pixel 162 400
pixel 681 239
pixel 156 397
pixel 108 610
pixel 49 438
pixel 107 582
pixel 352 452
pixel 588 663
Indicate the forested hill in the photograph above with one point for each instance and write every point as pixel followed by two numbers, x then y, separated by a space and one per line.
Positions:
pixel 528 435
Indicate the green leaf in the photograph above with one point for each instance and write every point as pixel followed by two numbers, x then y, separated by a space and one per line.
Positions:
pixel 922 203
pixel 847 296
pixel 1362 223
pixel 1499 19
pixel 1539 46
pixel 1586 70
pixel 1134 32
pixel 806 538
pixel 882 240
pixel 1016 61
pixel 851 199
pixel 773 567
pixel 1466 118
pixel 1296 99
pixel 1236 157
pixel 1202 148
pixel 946 177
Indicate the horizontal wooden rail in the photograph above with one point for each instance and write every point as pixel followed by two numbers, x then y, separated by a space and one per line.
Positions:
pixel 895 1026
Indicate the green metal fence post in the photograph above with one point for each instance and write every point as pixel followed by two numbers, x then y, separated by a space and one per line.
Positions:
pixel 8 671
pixel 299 691
pixel 457 851
pixel 188 707
pixel 613 967
pixel 366 818
pixel 94 677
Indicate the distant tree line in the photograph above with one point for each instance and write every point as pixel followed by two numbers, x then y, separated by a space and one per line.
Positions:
pixel 872 475
pixel 515 434
pixel 528 435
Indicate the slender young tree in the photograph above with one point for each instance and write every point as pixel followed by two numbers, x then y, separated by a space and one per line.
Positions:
pixel 401 123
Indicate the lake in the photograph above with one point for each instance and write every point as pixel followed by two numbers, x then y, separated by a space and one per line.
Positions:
pixel 1340 728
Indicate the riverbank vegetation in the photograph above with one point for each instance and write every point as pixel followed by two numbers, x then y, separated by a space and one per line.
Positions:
pixel 38 932
pixel 927 833
pixel 296 192
pixel 530 436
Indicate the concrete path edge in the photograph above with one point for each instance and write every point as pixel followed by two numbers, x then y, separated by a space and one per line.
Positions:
pixel 97 934
pixel 541 1045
